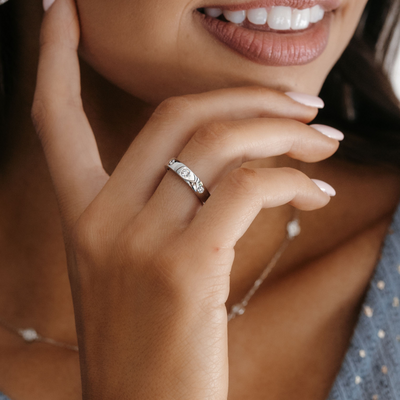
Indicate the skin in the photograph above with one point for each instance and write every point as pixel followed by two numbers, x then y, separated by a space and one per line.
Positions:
pixel 163 324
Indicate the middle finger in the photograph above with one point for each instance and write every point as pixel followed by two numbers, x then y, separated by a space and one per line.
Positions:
pixel 219 147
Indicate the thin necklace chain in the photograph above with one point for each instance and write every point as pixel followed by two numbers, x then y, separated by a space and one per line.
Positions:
pixel 292 230
pixel 30 335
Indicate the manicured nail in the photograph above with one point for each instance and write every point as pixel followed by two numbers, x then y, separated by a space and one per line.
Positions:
pixel 306 99
pixel 328 131
pixel 47 4
pixel 328 189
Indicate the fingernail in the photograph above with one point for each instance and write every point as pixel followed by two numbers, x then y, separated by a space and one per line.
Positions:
pixel 328 131
pixel 328 189
pixel 306 99
pixel 47 4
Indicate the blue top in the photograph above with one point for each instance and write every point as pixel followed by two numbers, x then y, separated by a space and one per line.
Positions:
pixel 371 366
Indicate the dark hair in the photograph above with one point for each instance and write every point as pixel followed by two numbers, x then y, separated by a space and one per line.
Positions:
pixel 358 94
pixel 8 66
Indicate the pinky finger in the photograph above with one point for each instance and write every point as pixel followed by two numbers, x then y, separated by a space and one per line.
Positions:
pixel 239 197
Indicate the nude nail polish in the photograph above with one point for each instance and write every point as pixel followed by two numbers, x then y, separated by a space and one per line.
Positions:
pixel 328 131
pixel 326 188
pixel 306 99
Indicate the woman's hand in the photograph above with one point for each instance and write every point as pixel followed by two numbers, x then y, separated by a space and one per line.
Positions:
pixel 148 265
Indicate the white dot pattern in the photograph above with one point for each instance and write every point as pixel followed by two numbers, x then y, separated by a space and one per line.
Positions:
pixel 371 367
pixel 381 285
pixel 368 311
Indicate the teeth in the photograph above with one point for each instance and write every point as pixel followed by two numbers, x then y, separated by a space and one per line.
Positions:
pixel 280 18
pixel 277 18
pixel 317 13
pixel 300 19
pixel 213 12
pixel 235 16
pixel 257 16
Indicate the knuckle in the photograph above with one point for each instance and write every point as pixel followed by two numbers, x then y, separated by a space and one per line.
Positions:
pixel 244 181
pixel 43 116
pixel 89 239
pixel 64 34
pixel 213 134
pixel 298 180
pixel 294 174
pixel 173 106
pixel 47 110
pixel 39 114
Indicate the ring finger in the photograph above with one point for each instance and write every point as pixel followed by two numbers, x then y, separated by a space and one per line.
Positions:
pixel 218 148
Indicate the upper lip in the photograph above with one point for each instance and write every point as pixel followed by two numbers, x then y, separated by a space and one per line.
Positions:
pixel 327 5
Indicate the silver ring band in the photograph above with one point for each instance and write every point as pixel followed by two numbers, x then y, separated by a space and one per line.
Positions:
pixel 184 172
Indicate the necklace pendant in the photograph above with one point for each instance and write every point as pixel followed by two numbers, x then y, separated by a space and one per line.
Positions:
pixel 237 309
pixel 293 229
pixel 29 334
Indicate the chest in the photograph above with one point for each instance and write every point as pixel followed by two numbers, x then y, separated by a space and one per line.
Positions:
pixel 37 371
pixel 291 341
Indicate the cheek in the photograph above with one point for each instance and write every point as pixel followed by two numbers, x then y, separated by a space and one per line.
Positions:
pixel 346 22
pixel 132 43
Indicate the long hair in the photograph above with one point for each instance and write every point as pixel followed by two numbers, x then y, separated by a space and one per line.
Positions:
pixel 358 94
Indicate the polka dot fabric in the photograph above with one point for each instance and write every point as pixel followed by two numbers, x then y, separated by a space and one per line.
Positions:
pixel 371 367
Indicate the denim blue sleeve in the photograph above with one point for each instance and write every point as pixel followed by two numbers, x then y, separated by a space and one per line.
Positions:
pixel 371 366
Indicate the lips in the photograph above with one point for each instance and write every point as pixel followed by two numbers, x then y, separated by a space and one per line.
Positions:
pixel 266 46
pixel 327 5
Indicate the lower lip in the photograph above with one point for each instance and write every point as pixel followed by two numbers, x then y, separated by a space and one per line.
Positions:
pixel 272 48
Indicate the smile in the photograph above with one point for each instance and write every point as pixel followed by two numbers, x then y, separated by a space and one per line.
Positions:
pixel 277 18
pixel 282 32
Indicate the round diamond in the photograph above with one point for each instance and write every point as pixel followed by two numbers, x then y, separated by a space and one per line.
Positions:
pixel 185 172
pixel 200 189
pixel 29 334
pixel 171 162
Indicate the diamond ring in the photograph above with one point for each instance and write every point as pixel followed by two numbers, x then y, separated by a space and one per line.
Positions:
pixel 184 172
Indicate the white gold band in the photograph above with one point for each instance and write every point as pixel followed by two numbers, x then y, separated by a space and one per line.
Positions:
pixel 185 173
